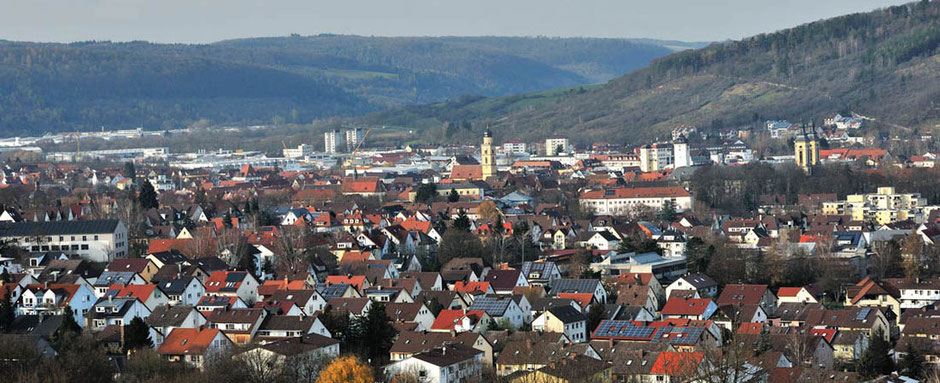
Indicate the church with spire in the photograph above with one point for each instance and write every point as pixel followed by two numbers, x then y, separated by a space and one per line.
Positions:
pixel 487 156
pixel 806 149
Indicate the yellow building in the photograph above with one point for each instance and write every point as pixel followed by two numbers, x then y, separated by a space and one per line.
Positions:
pixel 487 157
pixel 883 207
pixel 806 149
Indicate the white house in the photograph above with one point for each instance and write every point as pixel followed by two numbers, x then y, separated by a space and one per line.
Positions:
pixel 500 308
pixel 703 284
pixel 451 363
pixel 564 319
pixel 56 299
pixel 94 240
pixel 116 311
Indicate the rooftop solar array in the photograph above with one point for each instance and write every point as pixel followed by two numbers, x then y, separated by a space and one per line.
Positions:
pixel 491 305
pixel 622 329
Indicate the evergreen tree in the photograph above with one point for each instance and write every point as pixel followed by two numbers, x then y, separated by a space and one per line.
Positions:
pixel 247 209
pixel 913 364
pixel 498 225
pixel 254 205
pixel 877 359
pixel 227 220
pixel 148 196
pixel 137 335
pixel 462 222
pixel 425 193
pixel 453 196
pixel 763 342
pixel 68 330
pixel 200 197
pixel 434 306
pixel 667 212
pixel 595 316
pixel 7 313
pixel 373 334
pixel 130 171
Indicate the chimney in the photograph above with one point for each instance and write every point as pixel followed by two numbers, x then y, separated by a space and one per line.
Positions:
pixel 444 350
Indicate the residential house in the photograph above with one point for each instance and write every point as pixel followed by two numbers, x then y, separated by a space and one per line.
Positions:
pixel 194 345
pixel 564 319
pixel 450 363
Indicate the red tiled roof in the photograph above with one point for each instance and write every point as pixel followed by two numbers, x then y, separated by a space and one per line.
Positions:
pixel 471 287
pixel 447 319
pixel 188 341
pixel 742 294
pixel 788 291
pixel 583 299
pixel 466 172
pixel 674 363
pixel 678 306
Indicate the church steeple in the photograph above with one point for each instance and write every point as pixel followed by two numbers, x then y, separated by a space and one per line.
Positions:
pixel 806 148
pixel 487 157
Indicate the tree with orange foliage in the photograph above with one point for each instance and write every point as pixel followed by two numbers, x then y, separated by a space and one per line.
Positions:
pixel 346 369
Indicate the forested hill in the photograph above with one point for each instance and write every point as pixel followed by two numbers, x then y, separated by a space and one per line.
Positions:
pixel 883 64
pixel 55 87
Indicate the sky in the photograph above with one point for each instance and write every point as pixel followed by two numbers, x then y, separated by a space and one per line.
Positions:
pixel 204 21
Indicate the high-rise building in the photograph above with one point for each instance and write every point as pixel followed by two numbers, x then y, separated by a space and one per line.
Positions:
pixel 656 157
pixel 487 157
pixel 555 145
pixel 331 141
pixel 353 138
pixel 806 149
pixel 680 149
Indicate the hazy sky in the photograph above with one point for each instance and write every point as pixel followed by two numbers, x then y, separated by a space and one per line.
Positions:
pixel 213 20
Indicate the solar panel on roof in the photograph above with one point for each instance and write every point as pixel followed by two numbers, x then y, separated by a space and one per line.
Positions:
pixel 863 313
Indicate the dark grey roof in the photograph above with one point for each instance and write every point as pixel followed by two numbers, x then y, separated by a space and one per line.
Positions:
pixel 175 286
pixel 35 325
pixel 573 286
pixel 25 229
pixel 109 278
pixel 170 257
pixel 169 316
pixel 454 353
pixel 494 306
pixel 288 323
pixel 300 345
pixel 566 314
pixel 700 281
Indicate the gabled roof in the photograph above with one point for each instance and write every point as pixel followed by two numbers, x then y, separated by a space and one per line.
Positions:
pixel 674 363
pixel 735 294
pixel 137 265
pixel 188 341
pixel 225 281
pixel 447 319
pixel 566 314
pixel 169 316
pixel 677 306
pixel 503 280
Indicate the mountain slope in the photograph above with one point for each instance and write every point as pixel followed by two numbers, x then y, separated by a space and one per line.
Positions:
pixel 55 87
pixel 883 64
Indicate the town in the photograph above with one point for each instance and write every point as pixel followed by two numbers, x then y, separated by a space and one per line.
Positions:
pixel 693 259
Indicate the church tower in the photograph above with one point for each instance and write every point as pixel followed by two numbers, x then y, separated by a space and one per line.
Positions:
pixel 806 149
pixel 487 158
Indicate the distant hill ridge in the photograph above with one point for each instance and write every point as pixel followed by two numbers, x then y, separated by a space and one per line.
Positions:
pixel 56 87
pixel 882 64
